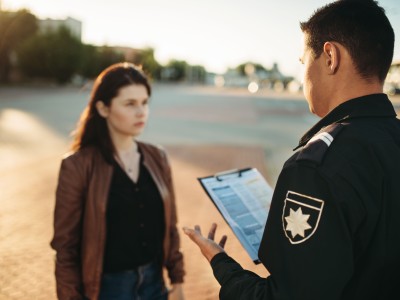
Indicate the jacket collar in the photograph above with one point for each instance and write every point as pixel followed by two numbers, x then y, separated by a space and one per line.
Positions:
pixel 153 160
pixel 146 157
pixel 375 105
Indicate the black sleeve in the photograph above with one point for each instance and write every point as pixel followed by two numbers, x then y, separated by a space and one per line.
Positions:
pixel 237 283
pixel 307 242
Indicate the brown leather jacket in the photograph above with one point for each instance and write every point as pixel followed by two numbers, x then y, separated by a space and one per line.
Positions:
pixel 80 220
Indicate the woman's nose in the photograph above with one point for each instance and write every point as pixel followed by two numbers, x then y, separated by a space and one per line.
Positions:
pixel 140 111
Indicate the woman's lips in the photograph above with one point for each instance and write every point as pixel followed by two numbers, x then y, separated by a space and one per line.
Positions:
pixel 139 124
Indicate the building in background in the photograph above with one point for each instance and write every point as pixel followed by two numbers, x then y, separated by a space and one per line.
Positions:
pixel 255 78
pixel 73 25
pixel 130 54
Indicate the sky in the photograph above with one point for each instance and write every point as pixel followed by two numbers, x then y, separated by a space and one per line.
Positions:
pixel 214 33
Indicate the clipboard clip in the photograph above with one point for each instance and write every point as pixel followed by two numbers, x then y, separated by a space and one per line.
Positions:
pixel 219 175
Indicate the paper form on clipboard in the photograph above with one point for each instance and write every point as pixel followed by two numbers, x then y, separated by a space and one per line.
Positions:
pixel 243 198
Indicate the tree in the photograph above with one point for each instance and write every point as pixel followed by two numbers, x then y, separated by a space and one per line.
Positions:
pixel 247 67
pixel 89 67
pixel 150 65
pixel 95 59
pixel 175 70
pixel 196 73
pixel 15 28
pixel 108 56
pixel 54 55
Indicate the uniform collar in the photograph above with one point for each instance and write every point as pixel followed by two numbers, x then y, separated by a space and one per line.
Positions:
pixel 375 105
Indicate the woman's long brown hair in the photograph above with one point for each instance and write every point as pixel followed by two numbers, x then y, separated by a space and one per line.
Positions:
pixel 92 128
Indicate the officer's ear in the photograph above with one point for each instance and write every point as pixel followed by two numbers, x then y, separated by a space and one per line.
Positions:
pixel 331 55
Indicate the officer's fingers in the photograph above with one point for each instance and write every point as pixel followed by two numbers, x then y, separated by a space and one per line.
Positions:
pixel 194 235
pixel 211 233
pixel 222 242
pixel 197 228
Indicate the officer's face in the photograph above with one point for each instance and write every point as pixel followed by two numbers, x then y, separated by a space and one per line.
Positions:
pixel 313 83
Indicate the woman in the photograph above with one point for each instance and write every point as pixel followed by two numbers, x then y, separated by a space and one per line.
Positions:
pixel 115 216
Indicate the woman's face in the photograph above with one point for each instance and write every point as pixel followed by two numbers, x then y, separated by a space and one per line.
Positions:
pixel 128 112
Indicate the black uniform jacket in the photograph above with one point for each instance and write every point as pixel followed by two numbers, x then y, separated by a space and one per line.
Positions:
pixel 333 230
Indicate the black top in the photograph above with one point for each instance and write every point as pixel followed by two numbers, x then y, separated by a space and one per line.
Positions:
pixel 135 221
pixel 333 230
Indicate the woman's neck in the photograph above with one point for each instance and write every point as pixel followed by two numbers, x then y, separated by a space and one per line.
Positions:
pixel 123 144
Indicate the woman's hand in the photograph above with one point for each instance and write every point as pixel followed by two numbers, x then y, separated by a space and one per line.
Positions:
pixel 209 248
pixel 176 292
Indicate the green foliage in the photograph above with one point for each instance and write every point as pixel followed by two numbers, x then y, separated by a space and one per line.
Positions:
pixel 150 65
pixel 54 54
pixel 96 59
pixel 196 73
pixel 108 56
pixel 256 67
pixel 175 70
pixel 15 27
pixel 32 56
pixel 89 61
pixel 58 55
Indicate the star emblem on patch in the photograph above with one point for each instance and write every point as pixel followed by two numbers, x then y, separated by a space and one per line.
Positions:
pixel 301 216
pixel 297 222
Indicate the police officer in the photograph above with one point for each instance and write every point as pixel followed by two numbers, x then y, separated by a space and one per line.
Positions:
pixel 333 231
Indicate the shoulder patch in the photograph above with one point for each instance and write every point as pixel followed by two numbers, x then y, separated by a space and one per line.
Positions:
pixel 317 146
pixel 301 216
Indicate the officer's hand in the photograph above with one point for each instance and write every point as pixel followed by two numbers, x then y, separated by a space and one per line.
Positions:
pixel 208 247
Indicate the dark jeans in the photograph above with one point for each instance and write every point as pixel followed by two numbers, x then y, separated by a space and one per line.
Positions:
pixel 143 283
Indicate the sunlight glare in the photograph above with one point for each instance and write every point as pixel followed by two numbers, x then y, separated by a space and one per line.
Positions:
pixel 253 87
pixel 22 127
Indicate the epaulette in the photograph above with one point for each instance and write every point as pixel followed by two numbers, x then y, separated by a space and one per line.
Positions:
pixel 318 145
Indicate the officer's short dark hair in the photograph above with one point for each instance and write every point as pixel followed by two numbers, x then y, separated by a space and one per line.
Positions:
pixel 362 27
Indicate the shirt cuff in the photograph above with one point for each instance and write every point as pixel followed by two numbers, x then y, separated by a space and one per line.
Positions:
pixel 223 267
pixel 218 258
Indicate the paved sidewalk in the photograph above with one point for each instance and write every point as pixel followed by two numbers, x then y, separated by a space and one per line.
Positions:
pixel 27 200
pixel 30 153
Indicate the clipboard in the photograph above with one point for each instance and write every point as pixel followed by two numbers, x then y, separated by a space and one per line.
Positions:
pixel 243 198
